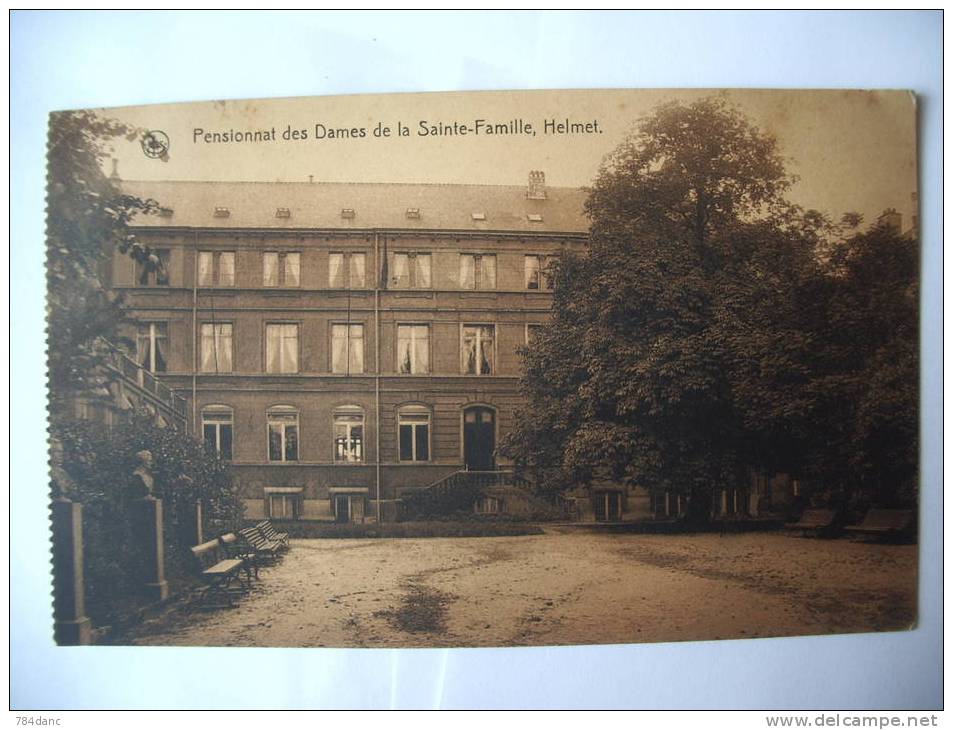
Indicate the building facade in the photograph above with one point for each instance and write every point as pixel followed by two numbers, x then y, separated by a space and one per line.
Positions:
pixel 343 344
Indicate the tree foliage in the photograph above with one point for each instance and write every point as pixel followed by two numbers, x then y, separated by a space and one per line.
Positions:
pixel 100 462
pixel 712 326
pixel 87 220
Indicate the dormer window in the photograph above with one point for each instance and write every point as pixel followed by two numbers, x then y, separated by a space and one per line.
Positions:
pixel 478 216
pixel 413 213
pixel 347 213
pixel 283 213
pixel 222 212
pixel 534 218
pixel 165 212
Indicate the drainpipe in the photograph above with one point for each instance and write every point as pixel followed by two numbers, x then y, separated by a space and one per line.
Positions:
pixel 195 314
pixel 377 371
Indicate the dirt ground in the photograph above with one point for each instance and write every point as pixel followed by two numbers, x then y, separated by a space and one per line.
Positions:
pixel 562 587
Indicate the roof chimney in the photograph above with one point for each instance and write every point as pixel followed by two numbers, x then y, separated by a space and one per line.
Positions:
pixel 537 185
pixel 114 175
pixel 892 220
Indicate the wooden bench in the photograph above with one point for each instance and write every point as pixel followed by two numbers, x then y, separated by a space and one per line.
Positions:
pixel 235 548
pixel 219 571
pixel 818 521
pixel 264 549
pixel 880 522
pixel 270 533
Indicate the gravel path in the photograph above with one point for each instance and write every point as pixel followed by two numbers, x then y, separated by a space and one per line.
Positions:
pixel 557 588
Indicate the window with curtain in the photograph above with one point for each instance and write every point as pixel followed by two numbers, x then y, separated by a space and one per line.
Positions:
pixel 152 342
pixel 217 423
pixel 216 348
pixel 346 270
pixel 281 268
pixel 477 271
pixel 413 431
pixel 537 271
pixel 413 348
pixel 411 271
pixel 216 268
pixel 349 434
pixel 281 348
pixel 282 434
pixel 478 349
pixel 347 348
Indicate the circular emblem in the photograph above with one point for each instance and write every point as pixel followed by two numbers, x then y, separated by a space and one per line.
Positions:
pixel 155 144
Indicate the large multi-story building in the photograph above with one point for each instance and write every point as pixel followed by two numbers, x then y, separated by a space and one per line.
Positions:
pixel 343 344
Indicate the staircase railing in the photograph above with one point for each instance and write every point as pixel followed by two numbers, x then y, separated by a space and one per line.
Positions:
pixel 447 493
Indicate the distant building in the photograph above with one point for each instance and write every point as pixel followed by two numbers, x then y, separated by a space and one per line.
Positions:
pixel 340 343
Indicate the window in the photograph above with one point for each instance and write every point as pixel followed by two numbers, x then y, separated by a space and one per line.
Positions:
pixel 282 434
pixel 411 270
pixel 284 503
pixel 281 348
pixel 349 434
pixel 217 429
pixel 537 271
pixel 413 348
pixel 216 268
pixel 154 272
pixel 347 348
pixel 413 427
pixel 281 269
pixel 216 348
pixel 477 271
pixel 532 332
pixel 478 351
pixel 152 342
pixel 346 270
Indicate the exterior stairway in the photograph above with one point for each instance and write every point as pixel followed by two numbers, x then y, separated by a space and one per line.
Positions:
pixel 467 492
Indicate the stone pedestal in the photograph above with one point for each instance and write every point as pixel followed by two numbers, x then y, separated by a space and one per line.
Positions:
pixel 70 627
pixel 199 537
pixel 148 532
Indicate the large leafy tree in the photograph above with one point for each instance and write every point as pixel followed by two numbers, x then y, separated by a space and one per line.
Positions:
pixel 695 339
pixel 88 219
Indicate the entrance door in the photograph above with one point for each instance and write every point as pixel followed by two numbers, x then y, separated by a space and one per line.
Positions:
pixel 479 438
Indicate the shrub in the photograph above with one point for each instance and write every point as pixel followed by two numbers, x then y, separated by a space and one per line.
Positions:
pixel 100 462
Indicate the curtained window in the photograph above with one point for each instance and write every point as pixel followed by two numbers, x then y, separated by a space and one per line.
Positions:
pixel 477 271
pixel 281 268
pixel 152 346
pixel 347 348
pixel 216 348
pixel 281 348
pixel 478 349
pixel 413 348
pixel 411 270
pixel 346 270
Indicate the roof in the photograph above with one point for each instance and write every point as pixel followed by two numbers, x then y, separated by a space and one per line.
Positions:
pixel 374 205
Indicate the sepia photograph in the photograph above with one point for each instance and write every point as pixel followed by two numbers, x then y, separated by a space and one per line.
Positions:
pixel 484 369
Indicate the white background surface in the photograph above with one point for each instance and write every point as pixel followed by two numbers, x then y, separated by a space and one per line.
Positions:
pixel 65 60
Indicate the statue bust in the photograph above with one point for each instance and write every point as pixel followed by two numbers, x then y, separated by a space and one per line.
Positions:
pixel 142 482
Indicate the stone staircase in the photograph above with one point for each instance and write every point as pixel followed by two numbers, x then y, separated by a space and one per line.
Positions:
pixel 467 492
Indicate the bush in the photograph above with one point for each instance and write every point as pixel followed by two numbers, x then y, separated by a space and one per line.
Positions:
pixel 100 462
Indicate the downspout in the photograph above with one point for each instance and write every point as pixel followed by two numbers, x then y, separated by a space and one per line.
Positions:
pixel 195 301
pixel 377 370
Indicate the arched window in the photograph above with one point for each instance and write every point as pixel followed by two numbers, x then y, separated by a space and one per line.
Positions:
pixel 413 432
pixel 217 421
pixel 348 431
pixel 282 433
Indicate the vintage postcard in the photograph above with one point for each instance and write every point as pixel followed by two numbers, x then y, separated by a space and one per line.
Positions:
pixel 484 369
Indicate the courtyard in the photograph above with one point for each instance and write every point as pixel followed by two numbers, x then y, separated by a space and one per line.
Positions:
pixel 562 587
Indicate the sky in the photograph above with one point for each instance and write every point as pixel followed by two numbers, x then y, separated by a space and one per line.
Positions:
pixel 852 151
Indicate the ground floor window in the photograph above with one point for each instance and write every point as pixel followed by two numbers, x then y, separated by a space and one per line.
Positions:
pixel 284 506
pixel 217 429
pixel 348 507
pixel 413 425
pixel 607 506
pixel 349 434
pixel 282 434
